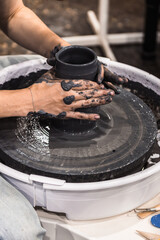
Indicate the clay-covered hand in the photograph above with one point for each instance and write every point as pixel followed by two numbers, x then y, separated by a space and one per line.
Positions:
pixel 52 60
pixel 109 79
pixel 61 98
pixel 105 76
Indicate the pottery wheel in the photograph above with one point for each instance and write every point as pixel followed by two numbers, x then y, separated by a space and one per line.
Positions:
pixel 118 145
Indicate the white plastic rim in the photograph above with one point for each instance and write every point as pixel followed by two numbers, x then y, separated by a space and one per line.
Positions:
pixel 83 201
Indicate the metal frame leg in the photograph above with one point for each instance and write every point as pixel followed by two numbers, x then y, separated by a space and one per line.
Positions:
pixel 150 29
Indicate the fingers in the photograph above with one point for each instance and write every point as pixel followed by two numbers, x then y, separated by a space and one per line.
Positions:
pixel 100 73
pixel 65 115
pixel 94 93
pixel 86 94
pixel 123 80
pixel 80 85
pixel 84 116
pixel 111 86
pixel 52 60
pixel 92 102
pixel 114 78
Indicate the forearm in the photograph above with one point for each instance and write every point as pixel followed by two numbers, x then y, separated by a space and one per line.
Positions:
pixel 25 28
pixel 15 103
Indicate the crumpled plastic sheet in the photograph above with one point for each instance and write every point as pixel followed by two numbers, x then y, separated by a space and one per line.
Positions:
pixel 8 60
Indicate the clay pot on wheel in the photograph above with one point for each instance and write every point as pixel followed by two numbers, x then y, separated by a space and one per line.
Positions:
pixel 76 62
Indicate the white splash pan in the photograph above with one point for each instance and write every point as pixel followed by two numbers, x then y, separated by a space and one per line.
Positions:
pixel 86 201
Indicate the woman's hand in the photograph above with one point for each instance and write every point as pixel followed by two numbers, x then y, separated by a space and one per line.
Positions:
pixel 60 98
pixel 105 76
pixel 109 79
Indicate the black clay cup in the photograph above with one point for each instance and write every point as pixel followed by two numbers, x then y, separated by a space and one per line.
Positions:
pixel 76 62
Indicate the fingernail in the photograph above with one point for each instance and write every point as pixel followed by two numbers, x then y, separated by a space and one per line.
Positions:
pixel 121 80
pixel 111 93
pixel 118 91
pixel 97 117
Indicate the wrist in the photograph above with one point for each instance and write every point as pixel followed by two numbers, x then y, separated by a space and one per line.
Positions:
pixel 24 102
pixel 63 43
pixel 15 103
pixel 39 94
pixel 58 43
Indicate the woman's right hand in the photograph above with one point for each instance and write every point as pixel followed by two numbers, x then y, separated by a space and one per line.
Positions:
pixel 60 98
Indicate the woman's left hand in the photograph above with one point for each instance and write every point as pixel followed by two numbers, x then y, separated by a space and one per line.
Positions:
pixel 109 79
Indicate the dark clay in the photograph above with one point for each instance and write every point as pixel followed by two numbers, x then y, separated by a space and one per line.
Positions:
pixel 61 115
pixel 86 96
pixel 108 99
pixel 52 60
pixel 111 77
pixel 69 99
pixel 69 85
pixel 45 115
pixel 22 82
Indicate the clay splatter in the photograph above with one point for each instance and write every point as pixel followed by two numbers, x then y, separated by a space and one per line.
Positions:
pixel 66 86
pixel 69 99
